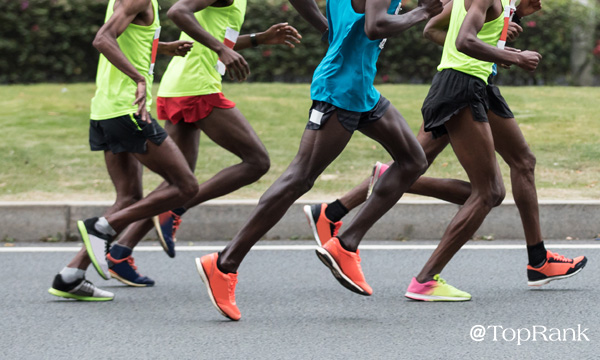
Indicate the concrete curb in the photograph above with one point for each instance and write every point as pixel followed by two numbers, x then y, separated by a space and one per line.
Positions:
pixel 221 219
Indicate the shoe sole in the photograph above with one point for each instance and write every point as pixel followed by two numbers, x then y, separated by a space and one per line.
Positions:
pixel 312 224
pixel 330 262
pixel 421 297
pixel 89 247
pixel 116 276
pixel 67 295
pixel 204 277
pixel 547 280
pixel 373 180
pixel 161 237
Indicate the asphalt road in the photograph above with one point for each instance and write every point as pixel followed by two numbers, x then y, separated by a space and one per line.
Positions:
pixel 292 308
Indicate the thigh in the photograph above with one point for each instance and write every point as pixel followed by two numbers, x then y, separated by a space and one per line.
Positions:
pixel 229 129
pixel 187 138
pixel 166 160
pixel 508 138
pixel 125 172
pixel 394 134
pixel 432 147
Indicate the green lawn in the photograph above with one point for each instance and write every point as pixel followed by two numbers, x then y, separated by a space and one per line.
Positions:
pixel 45 152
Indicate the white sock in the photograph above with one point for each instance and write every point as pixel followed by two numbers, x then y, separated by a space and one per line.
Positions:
pixel 104 227
pixel 70 275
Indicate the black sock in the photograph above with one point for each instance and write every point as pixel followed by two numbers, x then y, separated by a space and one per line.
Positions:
pixel 537 254
pixel 335 211
pixel 180 211
pixel 219 265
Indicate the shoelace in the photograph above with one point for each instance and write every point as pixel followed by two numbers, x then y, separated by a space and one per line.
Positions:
pixel 335 228
pixel 87 287
pixel 561 258
pixel 130 260
pixel 439 279
pixel 176 223
pixel 232 283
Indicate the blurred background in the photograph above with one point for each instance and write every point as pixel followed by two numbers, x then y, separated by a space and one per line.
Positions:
pixel 51 41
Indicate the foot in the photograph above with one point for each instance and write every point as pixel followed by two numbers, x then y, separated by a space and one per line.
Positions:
pixel 435 290
pixel 80 289
pixel 345 266
pixel 323 228
pixel 96 244
pixel 125 271
pixel 378 170
pixel 166 225
pixel 554 268
pixel 220 286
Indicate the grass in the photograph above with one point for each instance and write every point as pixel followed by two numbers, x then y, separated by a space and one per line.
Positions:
pixel 46 156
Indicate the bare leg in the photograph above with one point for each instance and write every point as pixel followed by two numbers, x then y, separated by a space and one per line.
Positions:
pixel 482 168
pixel 126 174
pixel 318 148
pixel 513 148
pixel 393 133
pixel 229 129
pixel 167 161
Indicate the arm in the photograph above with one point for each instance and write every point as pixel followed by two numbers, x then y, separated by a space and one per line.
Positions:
pixel 468 43
pixel 175 48
pixel 528 7
pixel 182 14
pixel 106 42
pixel 309 10
pixel 437 27
pixel 379 24
pixel 282 33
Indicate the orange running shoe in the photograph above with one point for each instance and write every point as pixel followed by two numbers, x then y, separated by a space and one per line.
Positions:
pixel 345 266
pixel 556 267
pixel 323 228
pixel 220 286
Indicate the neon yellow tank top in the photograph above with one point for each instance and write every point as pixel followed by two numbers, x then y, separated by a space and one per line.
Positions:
pixel 454 59
pixel 115 91
pixel 196 74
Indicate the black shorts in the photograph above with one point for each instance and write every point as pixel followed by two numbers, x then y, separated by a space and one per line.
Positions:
pixel 321 111
pixel 127 133
pixel 452 91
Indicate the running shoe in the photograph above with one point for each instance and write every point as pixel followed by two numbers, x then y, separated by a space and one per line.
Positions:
pixel 80 289
pixel 435 290
pixel 323 228
pixel 554 268
pixel 166 225
pixel 345 266
pixel 124 270
pixel 220 286
pixel 96 244
pixel 378 170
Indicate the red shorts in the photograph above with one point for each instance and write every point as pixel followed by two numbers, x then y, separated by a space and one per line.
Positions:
pixel 190 108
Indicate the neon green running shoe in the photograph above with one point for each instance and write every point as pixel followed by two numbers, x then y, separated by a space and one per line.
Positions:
pixel 435 290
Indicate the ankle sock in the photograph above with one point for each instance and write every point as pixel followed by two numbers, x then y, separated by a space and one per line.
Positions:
pixel 537 254
pixel 70 275
pixel 180 211
pixel 119 251
pixel 104 227
pixel 335 211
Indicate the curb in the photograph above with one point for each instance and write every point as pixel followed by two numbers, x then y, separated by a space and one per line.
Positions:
pixel 221 219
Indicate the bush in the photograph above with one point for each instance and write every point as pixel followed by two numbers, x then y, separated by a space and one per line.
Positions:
pixel 50 41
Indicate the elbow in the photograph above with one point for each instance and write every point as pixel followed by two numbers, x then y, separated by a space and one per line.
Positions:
pixel 99 41
pixel 374 31
pixel 462 44
pixel 427 33
pixel 174 13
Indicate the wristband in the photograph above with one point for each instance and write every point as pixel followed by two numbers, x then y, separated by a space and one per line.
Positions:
pixel 253 40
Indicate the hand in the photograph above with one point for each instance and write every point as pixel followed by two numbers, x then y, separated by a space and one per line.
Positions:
pixel 236 65
pixel 528 7
pixel 281 34
pixel 177 48
pixel 432 7
pixel 140 101
pixel 513 31
pixel 528 60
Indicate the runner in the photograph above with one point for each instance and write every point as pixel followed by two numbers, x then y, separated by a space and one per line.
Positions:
pixel 121 126
pixel 344 100
pixel 191 101
pixel 544 265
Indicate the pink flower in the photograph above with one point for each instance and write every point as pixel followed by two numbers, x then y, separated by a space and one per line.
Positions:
pixel 24 5
pixel 266 53
pixel 285 7
pixel 385 78
pixel 531 24
pixel 35 28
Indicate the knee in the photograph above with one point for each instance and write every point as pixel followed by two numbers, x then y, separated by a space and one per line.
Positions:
pixel 498 193
pixel 259 165
pixel 188 188
pixel 297 183
pixel 417 165
pixel 525 163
